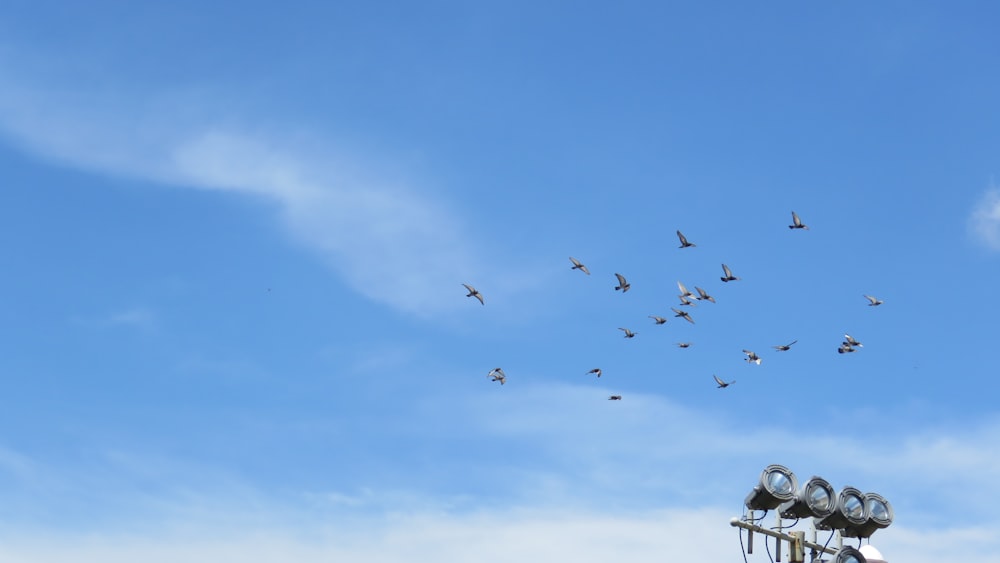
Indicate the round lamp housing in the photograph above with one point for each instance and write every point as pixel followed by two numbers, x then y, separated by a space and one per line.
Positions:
pixel 816 498
pixel 879 516
pixel 849 554
pixel 851 511
pixel 777 484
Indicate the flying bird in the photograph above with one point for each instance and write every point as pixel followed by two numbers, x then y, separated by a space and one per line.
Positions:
pixel 784 347
pixel 684 240
pixel 850 341
pixel 752 357
pixel 622 283
pixel 845 348
pixel 615 398
pixel 686 301
pixel 596 371
pixel 797 223
pixel 702 296
pixel 729 274
pixel 659 320
pixel 722 384
pixel 684 344
pixel 578 266
pixel 497 374
pixel 628 333
pixel 872 301
pixel 684 290
pixel 683 314
pixel 473 292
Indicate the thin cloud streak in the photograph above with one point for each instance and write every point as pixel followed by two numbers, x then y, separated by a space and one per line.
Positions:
pixel 389 243
pixel 984 223
pixel 135 317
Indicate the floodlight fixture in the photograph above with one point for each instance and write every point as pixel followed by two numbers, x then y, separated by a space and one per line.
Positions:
pixel 851 511
pixel 816 498
pixel 777 484
pixel 879 516
pixel 849 554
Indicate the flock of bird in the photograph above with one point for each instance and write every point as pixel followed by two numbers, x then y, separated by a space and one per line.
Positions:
pixel 849 344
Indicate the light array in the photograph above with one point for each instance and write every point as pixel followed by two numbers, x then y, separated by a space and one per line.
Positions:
pixel 851 512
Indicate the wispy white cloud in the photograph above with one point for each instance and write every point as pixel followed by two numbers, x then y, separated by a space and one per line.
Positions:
pixel 984 223
pixel 693 466
pixel 521 534
pixel 134 317
pixel 652 446
pixel 390 241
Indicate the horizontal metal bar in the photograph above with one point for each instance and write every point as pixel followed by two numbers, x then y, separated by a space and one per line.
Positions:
pixel 736 522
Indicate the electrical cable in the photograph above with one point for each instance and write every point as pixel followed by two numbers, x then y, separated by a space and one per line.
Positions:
pixel 832 532
pixel 742 548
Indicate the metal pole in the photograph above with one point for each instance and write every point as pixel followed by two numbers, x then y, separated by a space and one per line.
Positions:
pixel 777 541
pixel 798 551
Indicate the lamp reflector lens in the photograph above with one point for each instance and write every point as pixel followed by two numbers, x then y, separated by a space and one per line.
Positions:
pixel 850 555
pixel 779 483
pixel 854 507
pixel 879 511
pixel 819 498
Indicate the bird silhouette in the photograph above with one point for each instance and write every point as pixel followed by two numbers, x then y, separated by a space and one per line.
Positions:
pixel 578 266
pixel 784 347
pixel 702 296
pixel 729 274
pixel 615 398
pixel 845 348
pixel 596 371
pixel 796 222
pixel 622 283
pixel 684 344
pixel 628 333
pixel 683 314
pixel 752 357
pixel 722 384
pixel 686 301
pixel 473 292
pixel 659 320
pixel 850 341
pixel 684 240
pixel 497 374
pixel 872 301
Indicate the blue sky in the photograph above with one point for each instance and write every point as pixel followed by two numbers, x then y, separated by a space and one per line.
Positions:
pixel 236 238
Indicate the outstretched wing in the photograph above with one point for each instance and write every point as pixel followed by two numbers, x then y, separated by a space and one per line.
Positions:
pixel 473 292
pixel 579 266
pixel 683 239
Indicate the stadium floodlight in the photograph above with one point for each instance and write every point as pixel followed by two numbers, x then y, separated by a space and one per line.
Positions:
pixel 849 554
pixel 816 498
pixel 879 516
pixel 777 484
pixel 851 511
